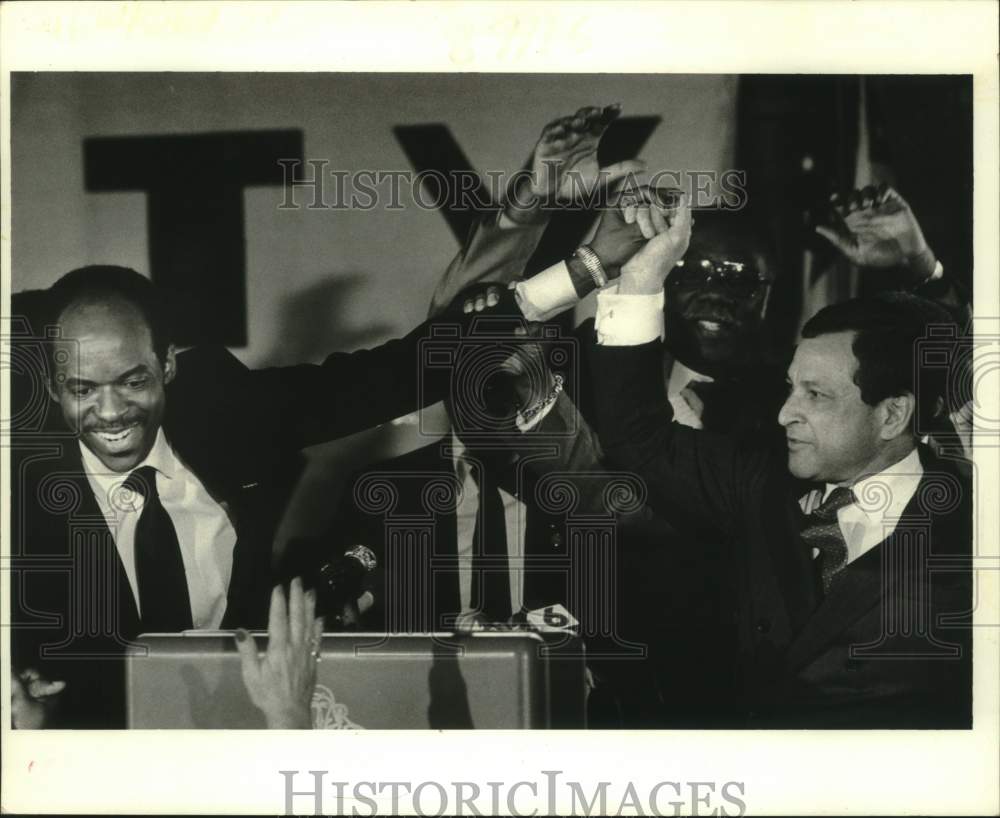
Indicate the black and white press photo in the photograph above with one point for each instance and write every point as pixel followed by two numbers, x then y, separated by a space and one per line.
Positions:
pixel 642 406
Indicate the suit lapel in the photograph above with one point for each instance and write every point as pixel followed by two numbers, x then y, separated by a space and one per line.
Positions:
pixel 864 584
pixel 793 570
pixel 444 559
pixel 423 583
pixel 856 592
pixel 252 483
pixel 546 569
pixel 94 556
pixel 249 591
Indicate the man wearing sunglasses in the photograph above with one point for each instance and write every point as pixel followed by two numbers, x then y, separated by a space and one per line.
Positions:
pixel 721 375
pixel 719 370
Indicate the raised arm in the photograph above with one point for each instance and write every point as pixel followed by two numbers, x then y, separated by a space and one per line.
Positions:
pixel 564 172
pixel 691 476
pixel 876 229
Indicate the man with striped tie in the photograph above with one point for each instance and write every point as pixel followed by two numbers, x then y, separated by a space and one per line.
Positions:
pixel 852 541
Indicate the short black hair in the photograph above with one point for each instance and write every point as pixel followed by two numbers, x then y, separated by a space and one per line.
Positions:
pixel 889 329
pixel 97 283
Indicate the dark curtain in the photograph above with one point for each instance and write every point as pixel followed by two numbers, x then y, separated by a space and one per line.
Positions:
pixel 797 140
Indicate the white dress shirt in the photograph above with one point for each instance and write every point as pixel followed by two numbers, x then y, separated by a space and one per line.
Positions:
pixel 681 377
pixel 628 320
pixel 879 503
pixel 204 532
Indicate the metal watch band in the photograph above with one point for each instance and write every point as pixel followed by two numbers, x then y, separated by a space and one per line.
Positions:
pixel 592 262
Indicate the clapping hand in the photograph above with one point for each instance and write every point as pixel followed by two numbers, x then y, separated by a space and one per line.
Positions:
pixel 281 681
pixel 877 229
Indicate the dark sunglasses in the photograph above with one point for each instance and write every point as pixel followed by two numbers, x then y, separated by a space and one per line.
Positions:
pixel 699 272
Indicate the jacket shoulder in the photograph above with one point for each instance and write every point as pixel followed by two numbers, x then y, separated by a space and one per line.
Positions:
pixel 209 362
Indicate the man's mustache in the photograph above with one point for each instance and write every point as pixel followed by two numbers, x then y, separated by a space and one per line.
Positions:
pixel 117 426
pixel 713 307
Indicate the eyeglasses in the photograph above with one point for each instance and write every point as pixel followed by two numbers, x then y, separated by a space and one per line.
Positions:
pixel 735 275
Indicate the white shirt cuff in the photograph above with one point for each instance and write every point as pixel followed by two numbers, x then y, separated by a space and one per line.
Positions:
pixel 545 295
pixel 628 320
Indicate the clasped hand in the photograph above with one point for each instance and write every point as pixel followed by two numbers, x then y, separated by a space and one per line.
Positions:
pixel 664 220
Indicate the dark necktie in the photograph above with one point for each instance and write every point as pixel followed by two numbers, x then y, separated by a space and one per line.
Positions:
pixel 490 564
pixel 822 531
pixel 164 602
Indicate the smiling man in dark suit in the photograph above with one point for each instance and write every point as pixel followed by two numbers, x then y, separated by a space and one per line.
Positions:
pixel 851 543
pixel 149 501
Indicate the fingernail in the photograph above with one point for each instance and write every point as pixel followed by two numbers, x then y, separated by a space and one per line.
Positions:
pixel 241 635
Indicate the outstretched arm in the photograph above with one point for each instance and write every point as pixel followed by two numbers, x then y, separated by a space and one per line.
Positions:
pixel 307 404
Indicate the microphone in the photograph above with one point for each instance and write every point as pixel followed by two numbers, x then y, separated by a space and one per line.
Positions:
pixel 341 582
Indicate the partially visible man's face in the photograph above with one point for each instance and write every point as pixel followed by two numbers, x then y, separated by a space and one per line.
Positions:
pixel 492 382
pixel 712 317
pixel 109 382
pixel 832 434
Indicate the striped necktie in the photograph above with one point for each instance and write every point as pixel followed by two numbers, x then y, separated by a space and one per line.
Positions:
pixel 822 531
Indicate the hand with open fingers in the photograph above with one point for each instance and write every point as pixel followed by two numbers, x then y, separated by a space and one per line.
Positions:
pixel 564 165
pixel 875 227
pixel 281 681
pixel 666 223
pixel 32 699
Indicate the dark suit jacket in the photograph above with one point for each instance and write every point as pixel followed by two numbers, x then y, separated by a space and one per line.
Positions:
pixel 674 586
pixel 889 646
pixel 405 510
pixel 240 431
